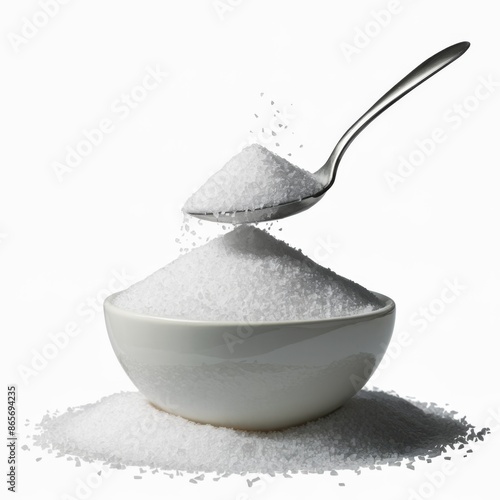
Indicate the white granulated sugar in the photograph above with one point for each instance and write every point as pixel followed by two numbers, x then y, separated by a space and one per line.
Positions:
pixel 253 179
pixel 372 429
pixel 246 275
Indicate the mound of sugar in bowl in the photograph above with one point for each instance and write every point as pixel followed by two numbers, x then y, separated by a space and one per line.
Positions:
pixel 253 179
pixel 246 275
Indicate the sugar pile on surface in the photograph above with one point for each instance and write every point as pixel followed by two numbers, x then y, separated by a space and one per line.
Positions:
pixel 246 275
pixel 372 429
pixel 253 179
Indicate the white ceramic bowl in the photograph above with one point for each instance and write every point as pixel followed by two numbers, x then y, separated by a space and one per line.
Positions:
pixel 257 376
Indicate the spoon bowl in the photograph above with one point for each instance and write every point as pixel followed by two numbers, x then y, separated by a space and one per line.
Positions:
pixel 327 173
pixel 263 214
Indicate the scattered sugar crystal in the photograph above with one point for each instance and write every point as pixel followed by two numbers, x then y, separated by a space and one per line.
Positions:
pixel 246 275
pixel 253 179
pixel 386 430
pixel 189 237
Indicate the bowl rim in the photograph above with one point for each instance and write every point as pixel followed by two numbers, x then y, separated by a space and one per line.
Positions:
pixel 388 308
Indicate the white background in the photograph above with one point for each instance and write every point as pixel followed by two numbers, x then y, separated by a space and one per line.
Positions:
pixel 61 239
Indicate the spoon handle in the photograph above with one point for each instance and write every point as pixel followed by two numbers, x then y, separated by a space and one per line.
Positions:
pixel 419 75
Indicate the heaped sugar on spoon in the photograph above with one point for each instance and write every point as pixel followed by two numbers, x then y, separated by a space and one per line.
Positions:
pixel 257 185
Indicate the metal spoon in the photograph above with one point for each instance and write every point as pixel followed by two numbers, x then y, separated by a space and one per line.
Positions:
pixel 326 174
